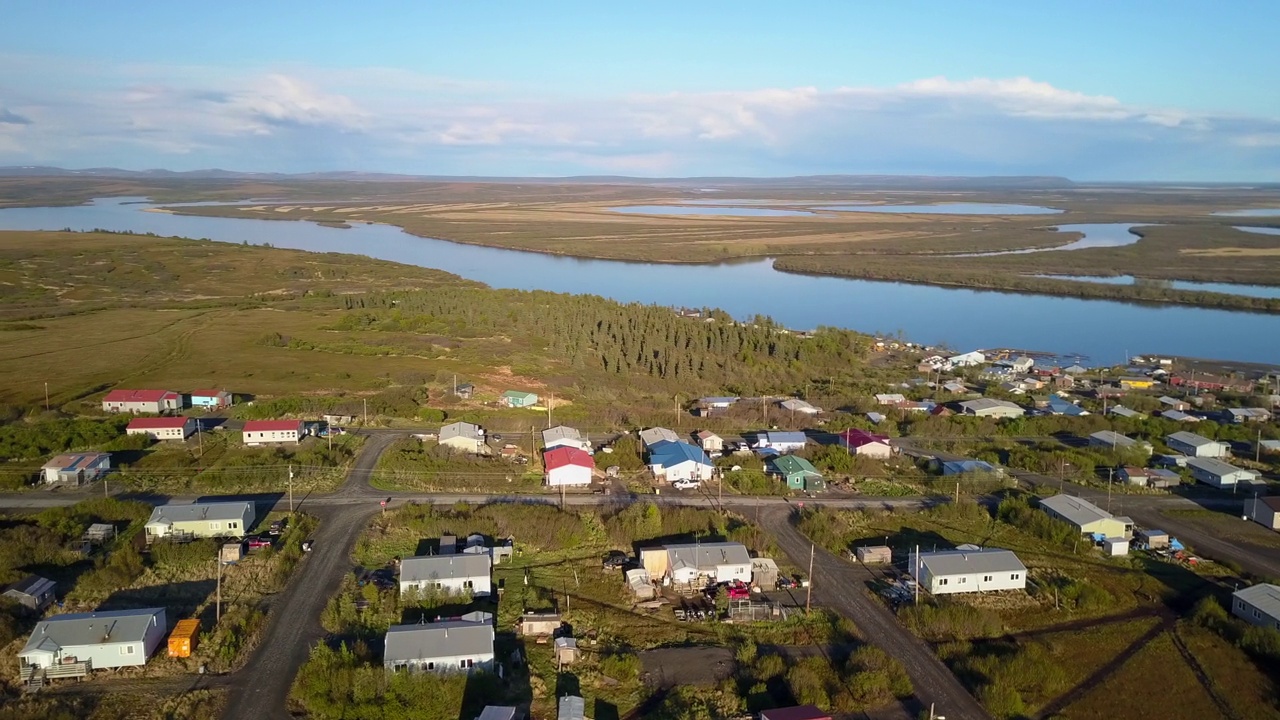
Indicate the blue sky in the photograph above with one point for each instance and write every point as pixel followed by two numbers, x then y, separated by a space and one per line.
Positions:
pixel 1091 90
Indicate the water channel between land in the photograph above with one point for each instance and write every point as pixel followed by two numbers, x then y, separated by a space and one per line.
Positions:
pixel 1097 331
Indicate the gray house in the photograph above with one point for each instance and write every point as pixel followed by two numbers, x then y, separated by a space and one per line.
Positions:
pixel 113 639
pixel 442 647
pixel 76 468
pixel 1264 510
pixel 1196 446
pixel 448 574
pixel 571 707
pixel 1114 440
pixel 32 592
pixel 1212 471
pixel 465 437
pixel 988 407
pixel 1258 605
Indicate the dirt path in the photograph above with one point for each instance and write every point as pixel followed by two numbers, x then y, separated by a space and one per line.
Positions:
pixel 841 586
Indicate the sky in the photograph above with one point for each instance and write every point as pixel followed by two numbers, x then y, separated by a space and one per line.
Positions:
pixel 1135 90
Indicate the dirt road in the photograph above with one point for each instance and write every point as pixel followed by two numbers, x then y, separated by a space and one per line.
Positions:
pixel 841 586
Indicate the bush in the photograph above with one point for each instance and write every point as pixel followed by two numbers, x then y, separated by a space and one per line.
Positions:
pixel 623 667
pixel 950 621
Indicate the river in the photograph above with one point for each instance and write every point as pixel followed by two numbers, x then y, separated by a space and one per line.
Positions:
pixel 1099 331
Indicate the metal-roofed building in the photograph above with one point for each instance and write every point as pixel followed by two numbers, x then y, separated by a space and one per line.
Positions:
pixel 76 468
pixel 32 592
pixel 447 574
pixel 118 638
pixel 142 401
pixel 498 712
pixel 1215 472
pixel 518 399
pixel 1197 446
pixel 1114 440
pixel 162 428
pixel 676 461
pixel 654 435
pixel 798 473
pixel 1264 510
pixel 989 407
pixel 784 441
pixel 465 437
pixel 800 406
pixel 687 563
pixel 442 647
pixel 1086 517
pixel 1258 605
pixel 202 520
pixel 947 572
pixel 562 435
pixel 571 707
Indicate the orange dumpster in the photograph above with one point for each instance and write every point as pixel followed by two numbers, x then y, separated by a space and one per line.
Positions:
pixel 183 638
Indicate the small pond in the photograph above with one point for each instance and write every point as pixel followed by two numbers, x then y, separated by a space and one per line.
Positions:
pixel 707 210
pixel 958 208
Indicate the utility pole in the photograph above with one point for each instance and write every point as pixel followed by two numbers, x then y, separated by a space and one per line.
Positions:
pixel 1257 449
pixel 551 400
pixel 291 489
pixel 675 408
pixel 200 436
pixel 105 494
pixel 1110 482
pixel 917 575
pixel 217 617
pixel 366 411
pixel 46 397
pixel 809 595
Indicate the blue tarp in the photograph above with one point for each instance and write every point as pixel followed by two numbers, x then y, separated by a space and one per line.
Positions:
pixel 1099 537
pixel 1174 544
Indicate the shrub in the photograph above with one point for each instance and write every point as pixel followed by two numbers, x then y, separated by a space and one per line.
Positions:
pixel 621 666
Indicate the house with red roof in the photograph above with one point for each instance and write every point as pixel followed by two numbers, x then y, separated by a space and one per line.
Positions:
pixel 861 442
pixel 272 432
pixel 142 401
pixel 162 428
pixel 568 466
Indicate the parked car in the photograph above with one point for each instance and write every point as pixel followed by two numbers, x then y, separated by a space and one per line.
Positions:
pixel 685 484
pixel 257 542
pixel 615 559
pixel 276 527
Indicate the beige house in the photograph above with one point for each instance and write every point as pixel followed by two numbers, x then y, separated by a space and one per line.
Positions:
pixel 163 428
pixel 201 520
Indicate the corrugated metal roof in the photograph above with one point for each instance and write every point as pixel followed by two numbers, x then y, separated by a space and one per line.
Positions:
pixel 961 562
pixel 32 585
pixel 438 640
pixel 497 712
pixel 655 435
pixel 571 707
pixel 708 556
pixel 560 432
pixel 1075 510
pixel 445 567
pixel 1264 596
pixel 116 626
pixel 670 453
pixel 564 455
pixel 1217 467
pixel 74 461
pixel 467 430
pixel 1190 438
pixel 200 511
pixel 138 396
pixel 272 425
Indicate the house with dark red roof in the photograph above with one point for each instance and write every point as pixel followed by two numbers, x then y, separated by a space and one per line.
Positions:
pixel 568 466
pixel 162 428
pixel 861 442
pixel 272 432
pixel 142 401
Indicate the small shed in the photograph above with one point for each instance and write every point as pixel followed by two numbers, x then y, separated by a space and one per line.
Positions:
pixel 448 544
pixel 502 550
pixel 1115 546
pixel 640 585
pixel 33 592
pixel 566 650
pixel 764 572
pixel 1153 539
pixel 99 533
pixel 874 554
pixel 231 553
pixel 534 624
pixel 183 638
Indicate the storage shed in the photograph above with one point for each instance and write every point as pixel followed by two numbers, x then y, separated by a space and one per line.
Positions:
pixel 1115 546
pixel 231 553
pixel 764 573
pixel 874 554
pixel 534 624
pixel 1153 539
pixel 183 638
pixel 566 651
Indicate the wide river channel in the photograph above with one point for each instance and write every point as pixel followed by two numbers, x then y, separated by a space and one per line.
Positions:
pixel 1097 331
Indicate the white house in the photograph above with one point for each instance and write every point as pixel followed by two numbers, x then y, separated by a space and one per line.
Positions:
pixel 968 359
pixel 162 428
pixel 1196 446
pixel 709 441
pixel 1264 511
pixel 947 572
pixel 1111 439
pixel 679 461
pixel 440 647
pixel 118 638
pixel 204 520
pixel 799 406
pixel 1212 471
pixel 988 407
pixel 464 437
pixel 893 399
pixel 568 466
pixel 272 432
pixel 784 441
pixel 76 468
pixel 688 563
pixel 563 436
pixel 142 401
pixel 447 574
pixel 1258 604
pixel 654 435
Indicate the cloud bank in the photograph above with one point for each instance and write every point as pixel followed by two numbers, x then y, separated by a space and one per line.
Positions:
pixel 300 119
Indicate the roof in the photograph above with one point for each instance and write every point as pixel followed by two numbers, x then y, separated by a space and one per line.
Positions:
pixel 1076 510
pixel 497 712
pixel 32 585
pixel 718 400
pixel 1271 501
pixel 1190 438
pixel 272 425
pixel 1111 437
pixel 1075 370
pixel 705 435
pixel 1062 406
pixel 956 467
pixel 571 707
pixel 445 567
pixel 1179 416
pixel 1215 466
pixel 564 456
pixel 74 461
pixel 963 562
pixel 800 712
pixel 208 393
pixel 157 423
pixel 785 436
pixel 1123 411
pixel 92 628
pixel 655 435
pixel 1171 400
pixel 519 395
pixel 708 555
pixel 560 432
pixel 438 640
pixel 980 404
pixel 1264 596
pixel 856 437
pixel 467 430
pixel 134 396
pixel 794 404
pixel 667 453
pixel 199 511
pixel 790 465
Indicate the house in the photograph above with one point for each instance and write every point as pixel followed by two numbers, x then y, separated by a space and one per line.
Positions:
pixel 1115 547
pixel 1196 446
pixel 465 573
pixel 1153 539
pixel 464 437
pixel 76 468
pixel 717 403
pixel 948 572
pixel 1264 511
pixel 499 712
pixel 441 647
pixel 1250 414
pixel 1148 477
pixel 1258 605
pixel 1136 382
pixel 685 564
pixel 1076 369
pixel 955 387
pixel 1212 471
pixel 639 584
pixel 963 467
pixel 1013 388
pixel 799 712
pixel 918 406
pixel 571 707
pixel 968 359
pixel 272 432
pixel 210 399
pixel 533 624
pixel 709 441
pixel 799 406
pixel 1174 403
pixel 1179 416
pixel 891 399
pixel 679 461
pixel 100 640
pixel 562 436
pixel 861 442
pixel 797 473
pixel 518 399
pixel 32 592
pixel 876 418
pixel 162 428
pixel 464 391
pixel 784 441
pixel 655 435
pixel 1020 364
pixel 1086 517
pixel 568 466
pixel 987 407
pixel 1122 411
pixel 142 401
pixel 201 520
pixel 1059 405
pixel 1063 382
pixel 1116 441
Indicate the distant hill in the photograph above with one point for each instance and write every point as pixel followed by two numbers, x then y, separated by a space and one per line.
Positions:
pixel 802 181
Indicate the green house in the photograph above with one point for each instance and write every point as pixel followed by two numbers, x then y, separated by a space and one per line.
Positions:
pixel 519 399
pixel 799 474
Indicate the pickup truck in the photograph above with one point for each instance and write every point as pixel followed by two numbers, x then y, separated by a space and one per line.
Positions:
pixel 685 485
pixel 257 543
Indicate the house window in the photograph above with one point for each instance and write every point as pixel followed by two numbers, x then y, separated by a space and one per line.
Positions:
pixel 961 581
pixel 431 666
pixel 1015 576
pixel 215 526
pixel 126 649
pixel 986 578
pixel 468 584
pixel 399 667
pixel 942 581
pixel 470 663
pixel 1256 614
pixel 232 525
pixel 1239 604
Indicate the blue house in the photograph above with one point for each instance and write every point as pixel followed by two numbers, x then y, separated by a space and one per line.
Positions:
pixel 677 461
pixel 1059 405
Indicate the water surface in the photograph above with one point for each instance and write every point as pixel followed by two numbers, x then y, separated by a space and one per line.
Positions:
pixel 1095 235
pixel 957 208
pixel 707 210
pixel 1250 212
pixel 1258 291
pixel 1258 230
